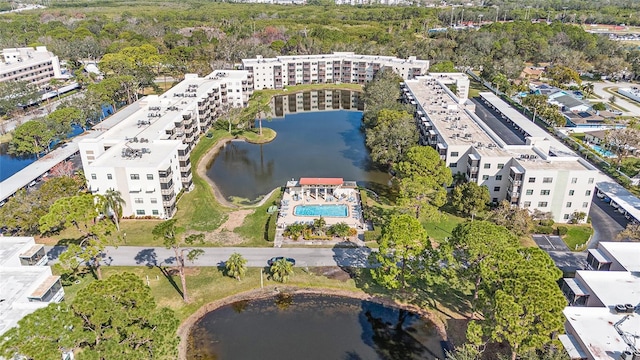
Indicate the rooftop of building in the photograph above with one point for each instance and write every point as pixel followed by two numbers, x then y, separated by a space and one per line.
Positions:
pixel 12 246
pixel 612 287
pixel 621 196
pixel 335 55
pixel 569 101
pixel 626 253
pixel 23 57
pixel 633 90
pixel 554 164
pixel 595 327
pixel 583 117
pixel 151 154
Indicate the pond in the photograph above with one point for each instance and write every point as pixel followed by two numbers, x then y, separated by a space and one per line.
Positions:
pixel 313 327
pixel 309 144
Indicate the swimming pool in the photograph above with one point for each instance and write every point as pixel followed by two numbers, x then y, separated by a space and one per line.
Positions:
pixel 321 210
pixel 603 152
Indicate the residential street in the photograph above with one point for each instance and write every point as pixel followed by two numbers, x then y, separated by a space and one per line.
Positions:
pixel 256 257
pixel 625 102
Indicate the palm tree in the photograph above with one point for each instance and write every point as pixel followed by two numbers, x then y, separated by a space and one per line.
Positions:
pixel 113 202
pixel 319 224
pixel 587 88
pixel 281 269
pixel 236 266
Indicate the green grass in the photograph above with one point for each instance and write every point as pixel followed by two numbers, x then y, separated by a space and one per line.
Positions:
pixel 199 210
pixel 254 137
pixel 5 138
pixel 438 230
pixel 254 226
pixel 475 88
pixel 630 166
pixel 577 236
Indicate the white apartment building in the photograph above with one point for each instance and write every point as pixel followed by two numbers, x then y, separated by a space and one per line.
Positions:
pixel 35 65
pixel 339 67
pixel 631 92
pixel 146 155
pixel 27 283
pixel 514 158
pixel 603 316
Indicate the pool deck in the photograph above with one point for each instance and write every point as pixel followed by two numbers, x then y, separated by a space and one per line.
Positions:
pixel 352 201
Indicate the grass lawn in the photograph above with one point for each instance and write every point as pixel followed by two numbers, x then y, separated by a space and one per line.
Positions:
pixel 630 166
pixel 577 236
pixel 438 230
pixel 254 226
pixel 475 88
pixel 5 138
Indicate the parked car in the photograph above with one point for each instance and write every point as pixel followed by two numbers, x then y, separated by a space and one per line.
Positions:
pixel 276 258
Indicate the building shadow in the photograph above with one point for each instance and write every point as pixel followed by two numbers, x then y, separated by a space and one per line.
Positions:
pixel 149 258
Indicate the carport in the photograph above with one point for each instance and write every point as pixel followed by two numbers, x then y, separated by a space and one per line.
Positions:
pixel 620 198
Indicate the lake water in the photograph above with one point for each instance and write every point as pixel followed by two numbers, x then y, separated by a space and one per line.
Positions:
pixel 309 144
pixel 10 164
pixel 312 327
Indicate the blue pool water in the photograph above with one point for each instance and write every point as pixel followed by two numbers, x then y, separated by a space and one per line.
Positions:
pixel 603 152
pixel 321 210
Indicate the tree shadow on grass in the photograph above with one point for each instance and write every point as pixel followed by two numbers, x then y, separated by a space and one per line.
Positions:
pixel 149 258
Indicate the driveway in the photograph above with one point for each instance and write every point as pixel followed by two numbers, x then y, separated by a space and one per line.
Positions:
pixel 606 222
pixel 550 243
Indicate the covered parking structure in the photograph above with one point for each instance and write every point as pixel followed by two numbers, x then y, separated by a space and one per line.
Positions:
pixel 619 198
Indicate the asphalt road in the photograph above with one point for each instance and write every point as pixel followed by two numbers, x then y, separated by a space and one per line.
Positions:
pixel 606 222
pixel 550 243
pixel 625 102
pixel 498 124
pixel 256 257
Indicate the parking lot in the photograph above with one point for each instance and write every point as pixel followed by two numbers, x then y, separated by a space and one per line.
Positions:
pixel 550 243
pixel 607 222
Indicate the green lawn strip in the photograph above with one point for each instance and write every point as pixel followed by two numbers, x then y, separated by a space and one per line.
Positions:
pixel 5 138
pixel 577 236
pixel 254 226
pixel 207 284
pixel 612 90
pixel 439 230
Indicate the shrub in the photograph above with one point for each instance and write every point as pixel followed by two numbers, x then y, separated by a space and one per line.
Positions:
pixel 547 222
pixel 272 221
pixel 542 229
pixel 562 230
pixel 353 232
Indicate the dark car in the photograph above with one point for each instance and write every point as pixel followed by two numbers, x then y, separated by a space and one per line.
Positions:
pixel 274 259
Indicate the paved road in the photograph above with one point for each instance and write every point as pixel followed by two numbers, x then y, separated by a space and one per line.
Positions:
pixel 606 222
pixel 625 102
pixel 256 257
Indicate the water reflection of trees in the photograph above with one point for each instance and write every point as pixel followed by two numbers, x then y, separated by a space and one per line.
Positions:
pixel 260 169
pixel 389 336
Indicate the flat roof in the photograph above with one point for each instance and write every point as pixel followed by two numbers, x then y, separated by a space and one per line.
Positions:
pixel 528 126
pixel 321 181
pixel 572 346
pixel 626 253
pixel 594 330
pixel 32 251
pixel 333 56
pixel 151 154
pixel 629 202
pixel 16 283
pixel 11 246
pixel 542 164
pixel 44 286
pixel 599 256
pixel 612 287
pixel 577 289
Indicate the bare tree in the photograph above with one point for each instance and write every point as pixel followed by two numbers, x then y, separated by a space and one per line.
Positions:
pixel 622 141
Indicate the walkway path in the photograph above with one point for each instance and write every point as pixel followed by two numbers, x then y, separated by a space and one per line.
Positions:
pixel 256 257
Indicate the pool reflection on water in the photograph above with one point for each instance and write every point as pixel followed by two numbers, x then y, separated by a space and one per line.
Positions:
pixel 312 327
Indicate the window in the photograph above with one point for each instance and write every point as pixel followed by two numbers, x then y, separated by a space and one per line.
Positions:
pixel 139 212
pixel 500 166
pixel 566 216
pixel 585 204
pixel 542 204
pixel 590 181
pixel 485 177
pixel 569 204
pixel 453 165
pixel 574 180
pixel 547 180
pixel 109 176
pixel 155 212
pixel 527 204
pixel 587 193
pixel 496 188
pixel 571 192
pixel 498 177
pixel 545 192
pixel 487 166
pixel 135 177
pixel 138 200
pixel 532 179
pixel 93 176
pixel 530 192
pixel 154 201
pixel 454 153
pixel 149 176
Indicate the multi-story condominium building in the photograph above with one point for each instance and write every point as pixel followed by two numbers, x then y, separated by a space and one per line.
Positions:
pixel 27 281
pixel 518 161
pixel 316 100
pixel 339 67
pixel 36 66
pixel 603 316
pixel 146 155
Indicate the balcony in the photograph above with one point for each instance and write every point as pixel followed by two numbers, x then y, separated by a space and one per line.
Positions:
pixel 168 192
pixel 169 203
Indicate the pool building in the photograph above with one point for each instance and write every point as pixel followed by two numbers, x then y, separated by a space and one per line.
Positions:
pixel 333 199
